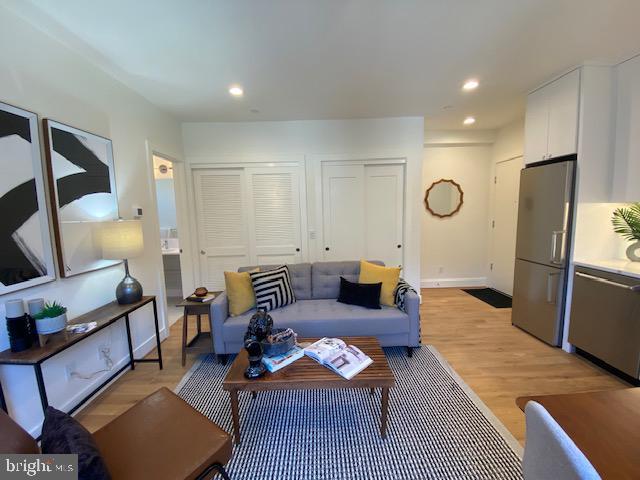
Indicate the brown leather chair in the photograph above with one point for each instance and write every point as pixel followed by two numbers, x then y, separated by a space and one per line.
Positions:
pixel 161 437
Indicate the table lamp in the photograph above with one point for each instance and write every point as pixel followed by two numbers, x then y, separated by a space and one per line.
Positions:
pixel 121 240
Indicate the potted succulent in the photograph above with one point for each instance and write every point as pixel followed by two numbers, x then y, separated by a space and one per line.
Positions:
pixel 626 222
pixel 51 319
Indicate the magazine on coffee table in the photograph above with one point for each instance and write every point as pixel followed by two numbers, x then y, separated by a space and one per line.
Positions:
pixel 277 362
pixel 346 360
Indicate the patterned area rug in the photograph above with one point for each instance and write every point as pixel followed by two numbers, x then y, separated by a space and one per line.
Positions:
pixel 438 428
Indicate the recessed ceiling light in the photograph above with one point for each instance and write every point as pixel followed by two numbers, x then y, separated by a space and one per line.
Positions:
pixel 236 91
pixel 469 121
pixel 470 84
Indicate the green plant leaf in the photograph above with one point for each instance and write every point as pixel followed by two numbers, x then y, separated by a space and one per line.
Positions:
pixel 51 310
pixel 626 222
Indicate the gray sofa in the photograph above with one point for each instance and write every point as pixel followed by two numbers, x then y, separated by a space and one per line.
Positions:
pixel 316 312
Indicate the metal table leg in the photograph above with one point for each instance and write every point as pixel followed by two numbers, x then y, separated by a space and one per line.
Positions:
pixel 184 335
pixel 155 317
pixel 132 362
pixel 3 403
pixel 41 388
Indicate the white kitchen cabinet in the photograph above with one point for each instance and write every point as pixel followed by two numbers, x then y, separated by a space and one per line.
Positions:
pixel 563 115
pixel 536 127
pixel 551 123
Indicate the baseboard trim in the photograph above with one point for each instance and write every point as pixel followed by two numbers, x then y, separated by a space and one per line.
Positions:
pixel 453 282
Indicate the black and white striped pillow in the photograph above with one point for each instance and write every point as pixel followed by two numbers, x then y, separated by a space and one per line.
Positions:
pixel 272 288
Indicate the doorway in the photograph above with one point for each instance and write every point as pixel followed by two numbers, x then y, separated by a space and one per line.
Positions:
pixel 163 172
pixel 505 224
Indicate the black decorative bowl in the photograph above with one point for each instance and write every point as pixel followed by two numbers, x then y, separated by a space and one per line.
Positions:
pixel 273 349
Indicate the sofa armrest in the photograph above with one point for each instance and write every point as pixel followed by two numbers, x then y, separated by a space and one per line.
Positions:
pixel 412 307
pixel 218 314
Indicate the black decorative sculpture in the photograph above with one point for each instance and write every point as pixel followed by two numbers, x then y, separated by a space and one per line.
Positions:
pixel 259 328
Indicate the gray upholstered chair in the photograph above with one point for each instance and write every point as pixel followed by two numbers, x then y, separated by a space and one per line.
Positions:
pixel 549 452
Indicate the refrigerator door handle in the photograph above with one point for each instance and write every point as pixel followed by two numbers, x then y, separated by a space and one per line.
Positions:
pixel 554 247
pixel 552 293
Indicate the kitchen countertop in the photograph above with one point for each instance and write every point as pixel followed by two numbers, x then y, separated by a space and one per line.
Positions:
pixel 623 267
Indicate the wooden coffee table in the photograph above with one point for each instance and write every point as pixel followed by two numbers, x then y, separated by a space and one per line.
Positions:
pixel 307 374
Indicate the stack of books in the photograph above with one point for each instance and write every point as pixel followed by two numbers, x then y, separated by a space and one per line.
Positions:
pixel 345 360
pixel 275 363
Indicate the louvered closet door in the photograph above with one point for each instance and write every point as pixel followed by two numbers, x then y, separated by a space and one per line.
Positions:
pixel 274 215
pixel 384 186
pixel 343 205
pixel 222 223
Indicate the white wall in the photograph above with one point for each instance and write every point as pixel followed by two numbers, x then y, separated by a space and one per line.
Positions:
pixel 454 249
pixel 311 140
pixel 39 74
pixel 509 141
pixel 626 183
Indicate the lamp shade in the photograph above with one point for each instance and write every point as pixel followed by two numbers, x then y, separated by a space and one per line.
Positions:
pixel 122 239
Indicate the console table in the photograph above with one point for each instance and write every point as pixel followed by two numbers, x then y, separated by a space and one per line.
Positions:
pixel 104 316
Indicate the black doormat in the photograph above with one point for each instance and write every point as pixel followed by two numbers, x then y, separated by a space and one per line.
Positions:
pixel 490 296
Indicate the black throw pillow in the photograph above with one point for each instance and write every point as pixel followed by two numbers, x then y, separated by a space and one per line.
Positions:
pixel 363 294
pixel 61 433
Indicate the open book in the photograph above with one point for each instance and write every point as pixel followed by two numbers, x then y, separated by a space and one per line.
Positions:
pixel 346 360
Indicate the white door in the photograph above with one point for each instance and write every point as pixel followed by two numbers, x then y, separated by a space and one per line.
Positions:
pixel 363 212
pixel 563 115
pixel 274 215
pixel 536 126
pixel 223 236
pixel 343 205
pixel 384 186
pixel 505 220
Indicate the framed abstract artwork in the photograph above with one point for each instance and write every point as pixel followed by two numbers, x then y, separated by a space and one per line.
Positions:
pixel 26 258
pixel 83 195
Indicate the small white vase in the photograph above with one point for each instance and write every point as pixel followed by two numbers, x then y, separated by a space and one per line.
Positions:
pixel 633 251
pixel 45 326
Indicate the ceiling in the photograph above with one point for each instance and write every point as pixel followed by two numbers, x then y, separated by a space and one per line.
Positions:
pixel 321 59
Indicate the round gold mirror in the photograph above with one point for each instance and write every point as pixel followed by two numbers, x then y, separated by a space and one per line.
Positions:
pixel 443 198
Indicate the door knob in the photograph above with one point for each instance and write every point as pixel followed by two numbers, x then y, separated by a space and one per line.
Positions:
pixel 202 252
pixel 399 246
pixel 297 249
pixel 326 248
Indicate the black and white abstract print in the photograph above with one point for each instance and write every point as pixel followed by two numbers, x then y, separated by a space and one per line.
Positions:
pixel 26 259
pixel 81 166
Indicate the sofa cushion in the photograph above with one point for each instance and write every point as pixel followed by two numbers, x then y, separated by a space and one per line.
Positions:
pixel 61 433
pixel 325 317
pixel 325 277
pixel 273 289
pixel 240 292
pixel 364 294
pixel 300 274
pixel 372 273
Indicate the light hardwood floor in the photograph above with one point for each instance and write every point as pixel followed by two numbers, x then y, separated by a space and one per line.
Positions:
pixel 498 361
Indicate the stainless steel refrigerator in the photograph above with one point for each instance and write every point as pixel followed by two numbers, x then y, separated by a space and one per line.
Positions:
pixel 542 248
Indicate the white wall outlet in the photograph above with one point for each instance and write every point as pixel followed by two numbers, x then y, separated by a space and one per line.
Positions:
pixel 440 269
pixel 137 211
pixel 69 369
pixel 312 234
pixel 103 349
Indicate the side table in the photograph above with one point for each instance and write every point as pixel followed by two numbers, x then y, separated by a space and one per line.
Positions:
pixel 192 308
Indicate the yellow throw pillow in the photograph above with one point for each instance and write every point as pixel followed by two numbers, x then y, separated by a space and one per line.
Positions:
pixel 239 292
pixel 388 276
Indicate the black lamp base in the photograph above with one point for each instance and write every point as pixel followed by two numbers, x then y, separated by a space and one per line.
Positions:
pixel 129 289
